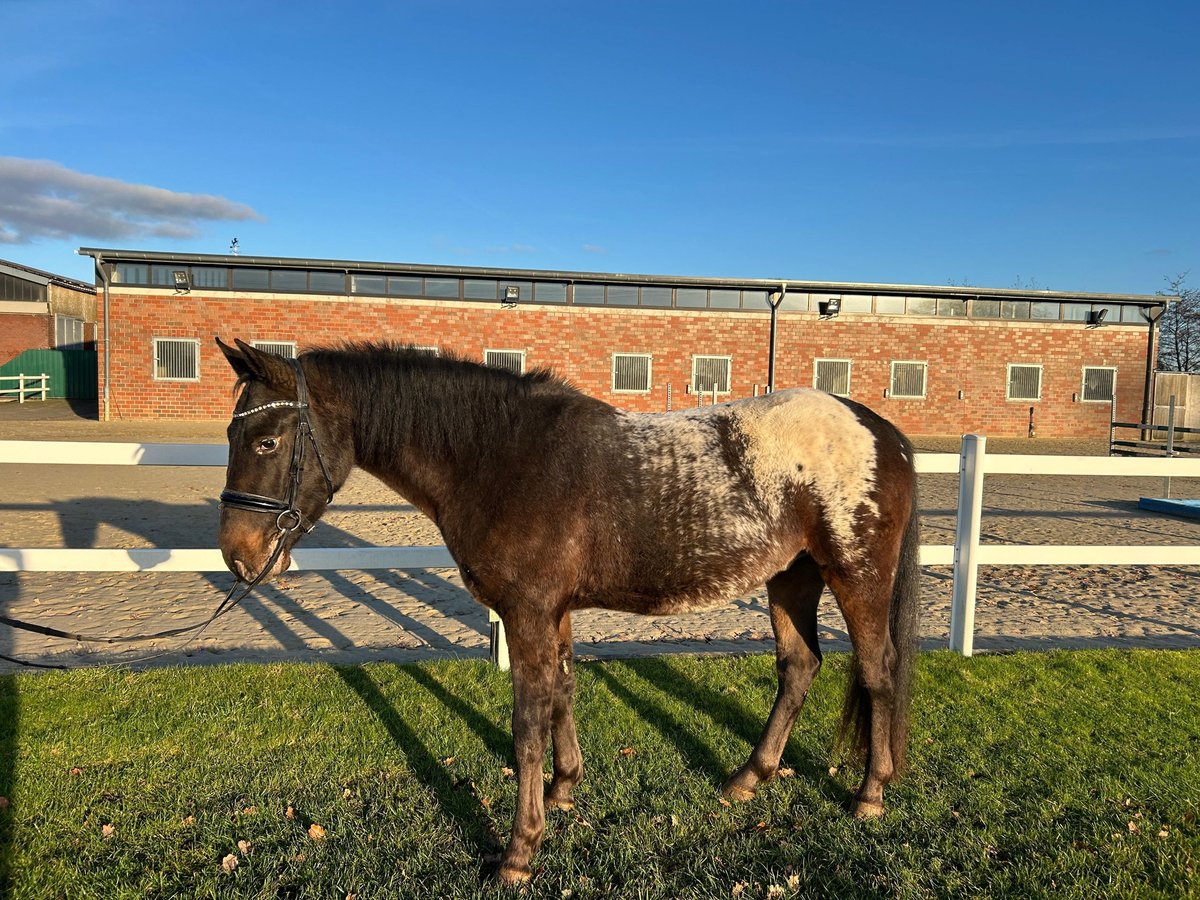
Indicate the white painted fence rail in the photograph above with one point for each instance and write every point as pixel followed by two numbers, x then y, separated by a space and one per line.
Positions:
pixel 24 385
pixel 965 555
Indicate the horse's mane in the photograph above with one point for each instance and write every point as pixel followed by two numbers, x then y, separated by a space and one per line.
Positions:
pixel 398 396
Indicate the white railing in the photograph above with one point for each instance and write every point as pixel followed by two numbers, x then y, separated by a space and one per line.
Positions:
pixel 966 554
pixel 23 381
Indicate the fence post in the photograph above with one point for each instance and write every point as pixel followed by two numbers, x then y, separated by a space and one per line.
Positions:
pixel 499 643
pixel 45 386
pixel 966 543
pixel 21 387
pixel 1170 444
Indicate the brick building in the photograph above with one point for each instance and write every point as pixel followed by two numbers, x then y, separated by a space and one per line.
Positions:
pixel 935 360
pixel 43 311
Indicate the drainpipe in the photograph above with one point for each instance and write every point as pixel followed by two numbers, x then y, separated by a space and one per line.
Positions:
pixel 1152 316
pixel 775 300
pixel 102 278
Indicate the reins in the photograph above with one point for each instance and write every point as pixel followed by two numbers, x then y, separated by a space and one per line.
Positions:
pixel 286 511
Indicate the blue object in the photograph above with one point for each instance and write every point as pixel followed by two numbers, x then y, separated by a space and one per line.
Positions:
pixel 1188 508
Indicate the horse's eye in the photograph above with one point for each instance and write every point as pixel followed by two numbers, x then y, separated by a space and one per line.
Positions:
pixel 267 445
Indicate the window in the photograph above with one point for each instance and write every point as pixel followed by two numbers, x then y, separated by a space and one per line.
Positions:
pixel 368 284
pixel 1043 309
pixel 426 351
pixel 251 279
pixel 1076 312
pixel 889 306
pixel 131 273
pixel 589 293
pixel 1024 382
pixel 1014 309
pixel 287 280
pixel 162 275
pixel 951 306
pixel 693 298
pixel 832 376
pixel 709 372
pixel 988 309
pixel 68 333
pixel 656 296
pixel 1098 383
pixel 479 289
pixel 14 288
pixel 207 277
pixel 405 285
pixel 855 303
pixel 723 299
pixel 327 282
pixel 622 295
pixel 631 372
pixel 922 306
pixel 176 359
pixel 441 287
pixel 286 349
pixel 908 379
pixel 548 292
pixel 512 360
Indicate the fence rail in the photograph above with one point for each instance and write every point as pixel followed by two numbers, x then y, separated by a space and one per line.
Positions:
pixel 23 381
pixel 965 555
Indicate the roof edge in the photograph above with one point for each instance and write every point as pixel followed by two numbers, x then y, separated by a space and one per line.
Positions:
pixel 841 287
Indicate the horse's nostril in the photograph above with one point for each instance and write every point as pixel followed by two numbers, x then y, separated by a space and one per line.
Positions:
pixel 242 570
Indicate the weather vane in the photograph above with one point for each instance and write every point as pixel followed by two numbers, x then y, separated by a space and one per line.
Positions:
pixel 233 247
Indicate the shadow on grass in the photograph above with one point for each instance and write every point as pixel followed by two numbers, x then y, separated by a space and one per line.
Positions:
pixel 495 739
pixel 730 713
pixel 8 762
pixel 457 803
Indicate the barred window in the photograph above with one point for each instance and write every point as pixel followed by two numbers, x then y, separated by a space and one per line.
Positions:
pixel 513 360
pixel 709 372
pixel 631 372
pixel 908 379
pixel 427 351
pixel 286 349
pixel 1024 382
pixel 832 376
pixel 176 359
pixel 1099 382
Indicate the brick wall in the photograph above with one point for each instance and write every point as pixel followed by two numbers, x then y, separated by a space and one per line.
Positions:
pixel 21 331
pixel 578 342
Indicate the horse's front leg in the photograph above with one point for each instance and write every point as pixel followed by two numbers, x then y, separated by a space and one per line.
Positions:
pixel 532 643
pixel 568 761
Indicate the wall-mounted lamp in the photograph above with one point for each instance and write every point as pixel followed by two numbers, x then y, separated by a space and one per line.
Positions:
pixel 962 395
pixel 512 293
pixel 183 283
pixel 1096 317
pixel 829 309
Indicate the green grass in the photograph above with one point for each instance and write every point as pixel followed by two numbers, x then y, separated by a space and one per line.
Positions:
pixel 1027 771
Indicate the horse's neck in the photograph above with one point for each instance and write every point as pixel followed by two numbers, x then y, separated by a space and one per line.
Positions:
pixel 425 442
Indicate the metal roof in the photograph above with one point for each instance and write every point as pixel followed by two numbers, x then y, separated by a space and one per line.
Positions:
pixel 37 276
pixel 769 284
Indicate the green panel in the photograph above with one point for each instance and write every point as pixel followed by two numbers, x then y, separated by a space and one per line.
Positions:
pixel 72 372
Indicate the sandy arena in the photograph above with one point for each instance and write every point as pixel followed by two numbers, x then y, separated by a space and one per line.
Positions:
pixel 350 617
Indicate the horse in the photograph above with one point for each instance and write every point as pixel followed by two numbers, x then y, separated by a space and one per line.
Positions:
pixel 551 501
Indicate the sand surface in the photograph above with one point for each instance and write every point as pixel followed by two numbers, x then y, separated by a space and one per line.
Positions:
pixel 346 617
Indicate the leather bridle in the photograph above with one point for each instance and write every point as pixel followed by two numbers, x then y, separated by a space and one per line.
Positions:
pixel 288 515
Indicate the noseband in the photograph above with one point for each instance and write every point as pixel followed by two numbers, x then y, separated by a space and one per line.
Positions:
pixel 288 516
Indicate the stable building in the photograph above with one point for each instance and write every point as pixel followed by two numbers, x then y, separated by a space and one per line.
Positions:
pixel 43 311
pixel 934 360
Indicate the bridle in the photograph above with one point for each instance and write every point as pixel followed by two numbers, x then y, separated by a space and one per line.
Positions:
pixel 288 519
pixel 288 515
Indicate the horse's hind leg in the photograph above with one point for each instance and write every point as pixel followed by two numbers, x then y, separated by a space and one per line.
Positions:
pixel 793 596
pixel 568 761
pixel 870 697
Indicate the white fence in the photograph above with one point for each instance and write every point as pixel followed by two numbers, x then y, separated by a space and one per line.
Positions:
pixel 966 554
pixel 25 385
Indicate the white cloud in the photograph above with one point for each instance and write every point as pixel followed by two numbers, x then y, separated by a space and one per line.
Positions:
pixel 593 248
pixel 44 199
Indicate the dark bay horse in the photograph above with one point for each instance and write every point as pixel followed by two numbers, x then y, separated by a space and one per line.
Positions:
pixel 552 501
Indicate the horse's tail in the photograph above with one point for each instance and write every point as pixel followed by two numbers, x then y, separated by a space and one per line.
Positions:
pixel 855 731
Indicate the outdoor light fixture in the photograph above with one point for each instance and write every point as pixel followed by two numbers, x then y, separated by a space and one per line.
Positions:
pixel 829 308
pixel 183 284
pixel 512 293
pixel 1095 318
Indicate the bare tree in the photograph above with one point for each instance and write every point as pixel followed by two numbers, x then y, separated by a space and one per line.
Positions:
pixel 1179 330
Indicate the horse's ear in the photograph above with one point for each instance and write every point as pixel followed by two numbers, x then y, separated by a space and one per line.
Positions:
pixel 250 362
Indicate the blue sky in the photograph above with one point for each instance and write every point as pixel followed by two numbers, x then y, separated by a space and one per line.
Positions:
pixel 1054 145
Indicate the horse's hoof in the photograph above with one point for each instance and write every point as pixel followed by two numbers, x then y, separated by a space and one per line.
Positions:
pixel 866 810
pixel 565 805
pixel 737 792
pixel 510 874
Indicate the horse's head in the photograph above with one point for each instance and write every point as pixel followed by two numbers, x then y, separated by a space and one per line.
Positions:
pixel 284 464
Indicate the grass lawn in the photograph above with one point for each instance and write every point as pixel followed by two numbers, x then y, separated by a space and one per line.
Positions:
pixel 1070 774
